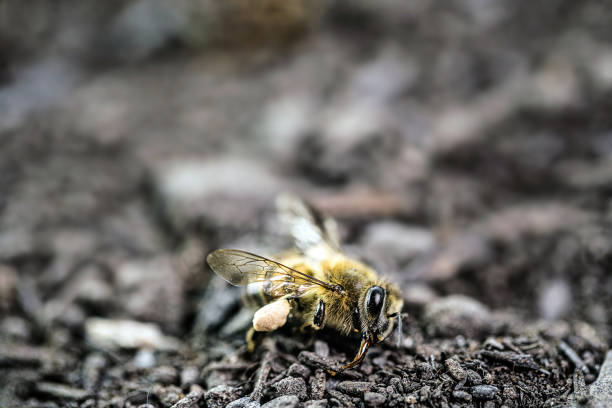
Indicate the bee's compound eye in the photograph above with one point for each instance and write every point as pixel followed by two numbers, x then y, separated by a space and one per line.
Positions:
pixel 375 300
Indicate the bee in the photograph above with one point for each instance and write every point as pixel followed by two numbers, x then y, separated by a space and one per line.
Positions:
pixel 316 285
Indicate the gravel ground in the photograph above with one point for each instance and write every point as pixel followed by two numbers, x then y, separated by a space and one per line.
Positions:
pixel 465 148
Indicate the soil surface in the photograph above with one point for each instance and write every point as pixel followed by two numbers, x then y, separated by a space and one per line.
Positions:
pixel 465 148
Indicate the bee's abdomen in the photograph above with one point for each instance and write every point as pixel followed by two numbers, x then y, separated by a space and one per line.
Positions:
pixel 254 295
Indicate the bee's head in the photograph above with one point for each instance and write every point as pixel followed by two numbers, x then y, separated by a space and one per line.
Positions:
pixel 377 309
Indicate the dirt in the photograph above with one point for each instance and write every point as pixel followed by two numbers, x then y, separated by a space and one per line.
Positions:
pixel 465 149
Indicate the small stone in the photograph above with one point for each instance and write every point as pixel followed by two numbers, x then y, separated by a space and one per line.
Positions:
pixel 355 388
pixel 220 396
pixel 286 401
pixel 129 334
pixel 455 370
pixel 226 190
pixel 601 389
pixel 457 314
pixel 314 360
pixel 169 395
pixel 322 403
pixel 397 241
pixel 164 374
pixel 298 370
pixel 291 386
pixel 473 377
pixel 189 375
pixel 16 328
pixel 191 399
pixel 339 399
pixel 92 370
pixel 555 299
pixel 425 371
pixel 62 391
pixel 424 393
pixel 144 358
pixel 484 392
pixel 510 392
pixel 317 384
pixel 462 396
pixel 374 399
pixel 244 402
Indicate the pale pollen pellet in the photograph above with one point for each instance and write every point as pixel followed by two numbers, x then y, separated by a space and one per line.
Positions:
pixel 271 316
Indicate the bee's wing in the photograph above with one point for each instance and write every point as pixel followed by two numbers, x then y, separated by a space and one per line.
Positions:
pixel 315 235
pixel 241 268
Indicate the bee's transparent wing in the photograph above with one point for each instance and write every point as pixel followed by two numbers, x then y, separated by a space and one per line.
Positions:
pixel 315 235
pixel 241 268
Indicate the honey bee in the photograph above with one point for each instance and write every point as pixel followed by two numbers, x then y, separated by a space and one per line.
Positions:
pixel 316 285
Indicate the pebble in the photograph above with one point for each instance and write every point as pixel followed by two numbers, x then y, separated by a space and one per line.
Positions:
pixel 92 370
pixel 298 370
pixel 115 333
pixel 511 358
pixel 220 396
pixel 61 391
pixel 291 386
pixel 169 395
pixel 317 384
pixel 314 360
pixel 244 402
pixel 339 399
pixel 425 371
pixel 228 190
pixel 601 389
pixel 424 393
pixel 455 370
pixel 144 358
pixel 462 396
pixel 458 315
pixel 322 403
pixel 397 241
pixel 374 399
pixel 473 377
pixel 164 374
pixel 355 388
pixel 189 375
pixel 286 401
pixel 554 299
pixel 484 392
pixel 191 399
pixel 16 328
pixel 509 392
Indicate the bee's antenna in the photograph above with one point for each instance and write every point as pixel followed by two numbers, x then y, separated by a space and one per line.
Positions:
pixel 399 329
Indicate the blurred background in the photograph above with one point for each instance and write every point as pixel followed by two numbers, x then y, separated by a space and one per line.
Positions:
pixel 465 146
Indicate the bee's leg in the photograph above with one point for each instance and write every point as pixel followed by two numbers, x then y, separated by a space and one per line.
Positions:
pixel 363 350
pixel 319 316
